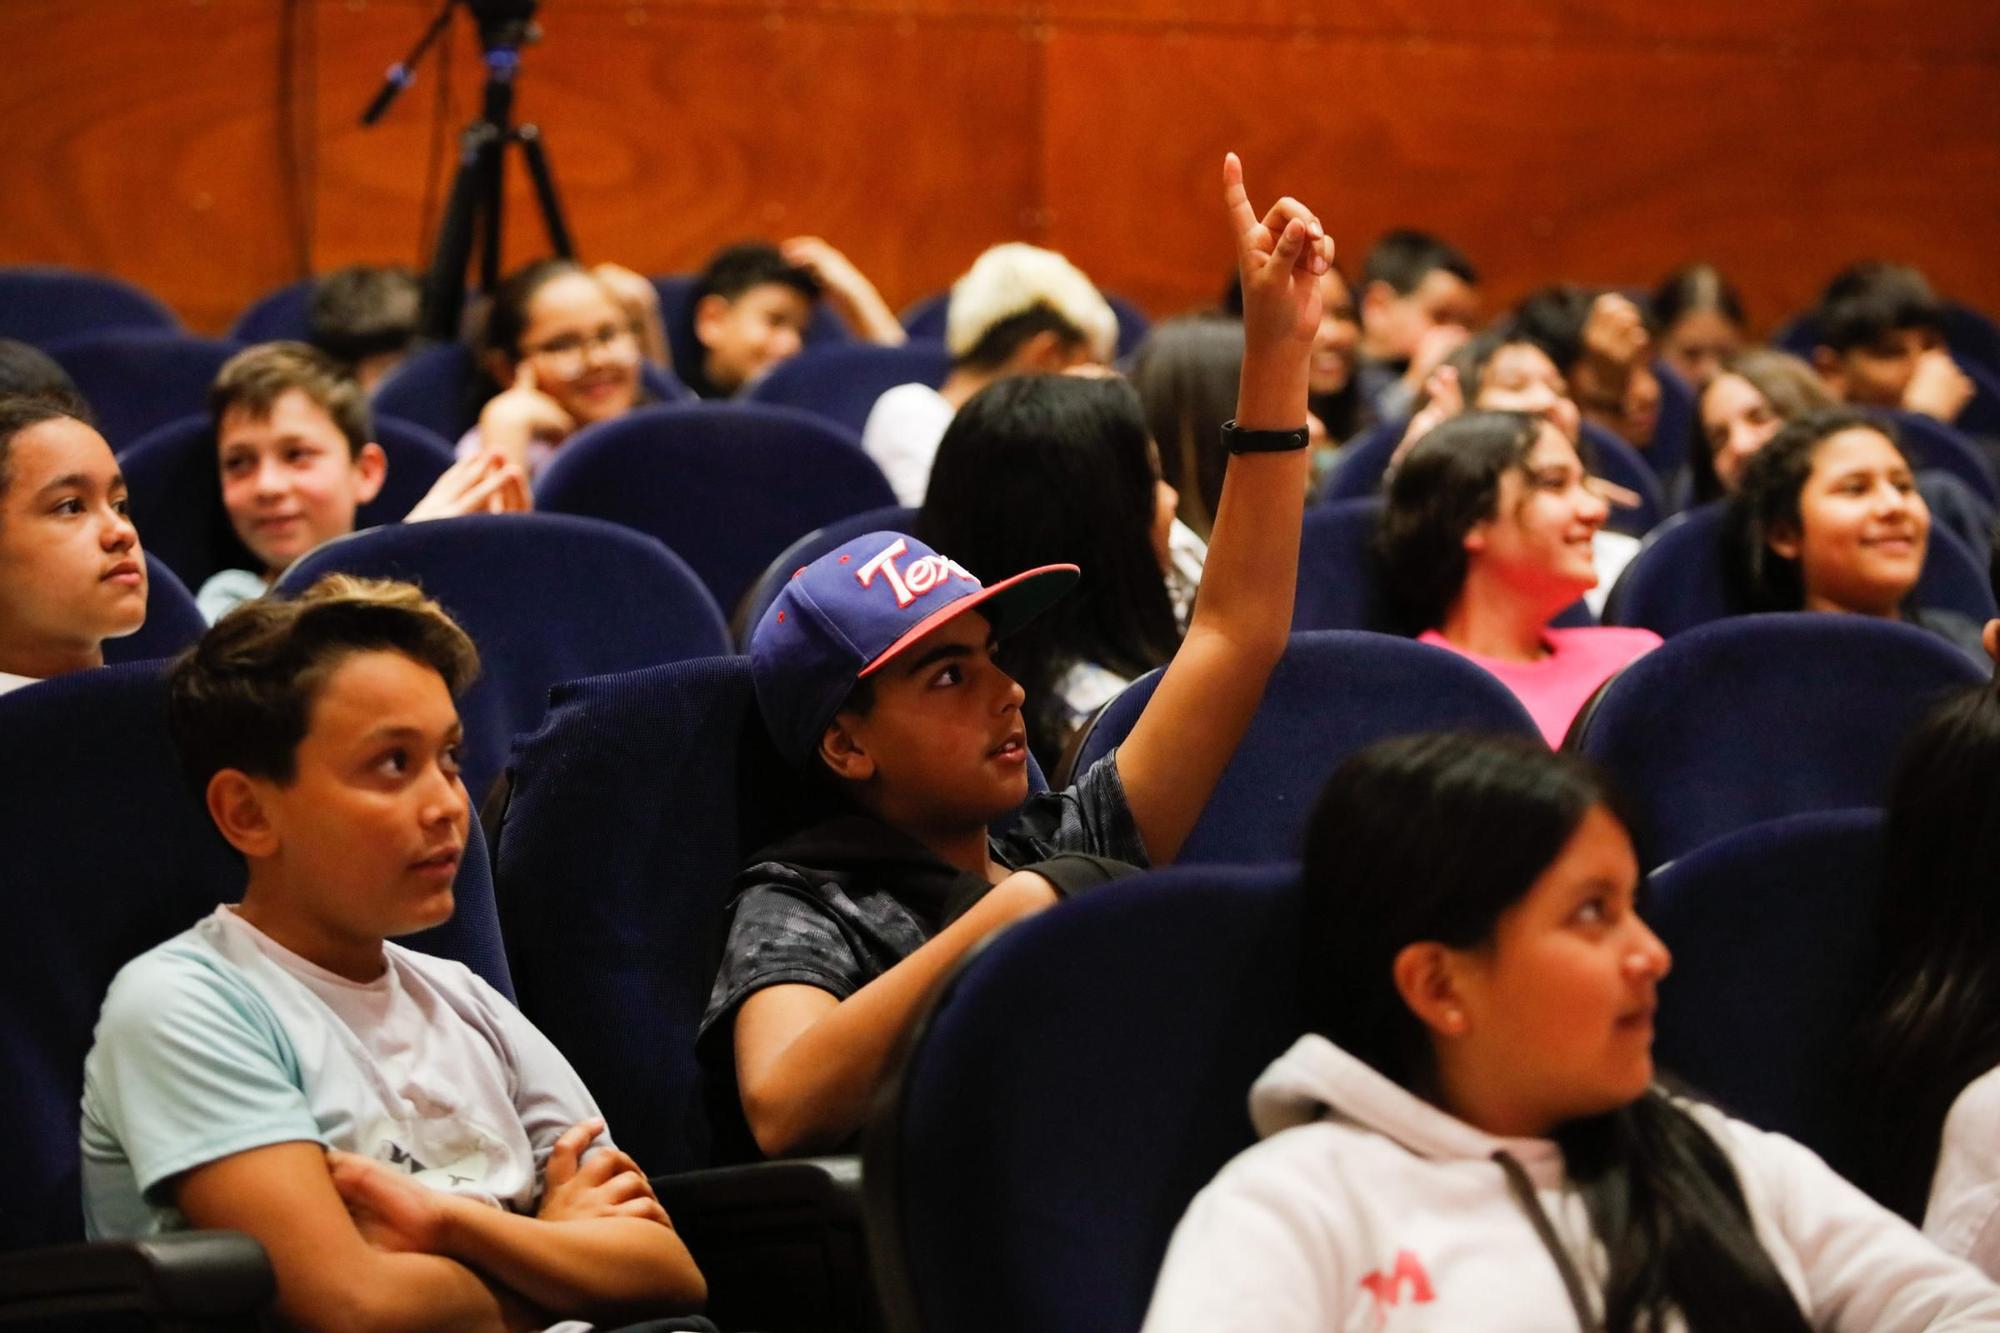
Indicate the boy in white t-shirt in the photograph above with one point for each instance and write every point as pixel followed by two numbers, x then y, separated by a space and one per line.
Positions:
pixel 408 1149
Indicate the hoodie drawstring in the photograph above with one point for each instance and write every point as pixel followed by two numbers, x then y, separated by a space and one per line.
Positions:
pixel 1523 1190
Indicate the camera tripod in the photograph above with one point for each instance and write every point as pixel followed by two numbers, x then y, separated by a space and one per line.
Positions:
pixel 475 209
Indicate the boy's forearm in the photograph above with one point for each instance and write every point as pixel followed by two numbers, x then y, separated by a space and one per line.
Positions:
pixel 400 1291
pixel 588 1265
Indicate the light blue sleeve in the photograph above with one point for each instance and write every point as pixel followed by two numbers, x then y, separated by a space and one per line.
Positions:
pixel 190 1066
pixel 549 1095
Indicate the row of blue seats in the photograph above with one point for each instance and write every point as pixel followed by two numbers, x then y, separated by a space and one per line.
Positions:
pixel 637 796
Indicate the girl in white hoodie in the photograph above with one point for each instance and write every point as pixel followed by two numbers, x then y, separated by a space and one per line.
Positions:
pixel 1469 1136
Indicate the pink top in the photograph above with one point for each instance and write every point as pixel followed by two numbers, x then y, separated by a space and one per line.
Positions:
pixel 1557 687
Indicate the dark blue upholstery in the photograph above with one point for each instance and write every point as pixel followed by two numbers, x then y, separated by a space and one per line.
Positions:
pixel 631 811
pixel 173 621
pixel 895 518
pixel 1680 577
pixel 1079 1079
pixel 842 381
pixel 440 388
pixel 726 485
pixel 177 496
pixel 47 305
pixel 825 326
pixel 1333 693
pixel 1936 447
pixel 1971 335
pixel 137 380
pixel 1360 471
pixel 926 320
pixel 109 853
pixel 1771 930
pixel 546 597
pixel 1981 416
pixel 1755 717
pixel 283 315
pixel 1673 428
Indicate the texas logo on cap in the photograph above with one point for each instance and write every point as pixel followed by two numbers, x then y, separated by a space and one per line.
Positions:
pixel 846 614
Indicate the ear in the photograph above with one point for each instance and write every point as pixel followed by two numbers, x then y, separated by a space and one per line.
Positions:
pixel 709 314
pixel 236 804
pixel 840 751
pixel 1785 540
pixel 1427 980
pixel 1475 537
pixel 371 469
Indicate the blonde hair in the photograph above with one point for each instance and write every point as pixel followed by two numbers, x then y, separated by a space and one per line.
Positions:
pixel 1013 279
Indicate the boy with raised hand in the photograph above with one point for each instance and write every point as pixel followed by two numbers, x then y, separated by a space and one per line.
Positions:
pixel 409 1150
pixel 874 668
pixel 752 303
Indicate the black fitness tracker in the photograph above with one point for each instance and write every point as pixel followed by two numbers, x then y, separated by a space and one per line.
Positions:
pixel 1238 441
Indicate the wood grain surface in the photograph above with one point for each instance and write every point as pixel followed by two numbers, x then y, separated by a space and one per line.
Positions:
pixel 208 150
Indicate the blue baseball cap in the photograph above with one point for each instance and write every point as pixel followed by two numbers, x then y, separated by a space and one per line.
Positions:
pixel 843 617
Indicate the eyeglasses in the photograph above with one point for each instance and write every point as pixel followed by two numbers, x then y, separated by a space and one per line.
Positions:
pixel 570 354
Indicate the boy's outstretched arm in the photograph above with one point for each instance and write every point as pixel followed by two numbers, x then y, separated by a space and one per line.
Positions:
pixel 1182 742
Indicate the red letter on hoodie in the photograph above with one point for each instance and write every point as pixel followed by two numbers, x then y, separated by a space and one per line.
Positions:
pixel 1387 1288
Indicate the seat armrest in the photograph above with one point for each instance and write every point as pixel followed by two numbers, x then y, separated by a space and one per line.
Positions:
pixel 782 1244
pixel 188 1275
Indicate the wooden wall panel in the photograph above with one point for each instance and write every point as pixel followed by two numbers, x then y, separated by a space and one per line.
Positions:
pixel 1596 139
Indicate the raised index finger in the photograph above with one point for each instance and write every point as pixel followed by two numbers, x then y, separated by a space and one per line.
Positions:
pixel 1236 199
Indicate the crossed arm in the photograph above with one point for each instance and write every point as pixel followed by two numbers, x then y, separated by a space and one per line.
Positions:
pixel 357 1245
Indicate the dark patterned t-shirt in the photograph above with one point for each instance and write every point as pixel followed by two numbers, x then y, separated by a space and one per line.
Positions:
pixel 843 903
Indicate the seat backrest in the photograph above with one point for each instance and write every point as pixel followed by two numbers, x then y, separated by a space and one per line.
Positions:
pixel 108 853
pixel 1776 921
pixel 1358 475
pixel 1334 692
pixel 136 380
pixel 1755 717
pixel 825 327
pixel 545 597
pixel 45 305
pixel 1070 1092
pixel 1673 428
pixel 1340 582
pixel 631 810
pixel 894 518
pixel 440 389
pixel 926 319
pixel 1619 463
pixel 726 485
pixel 176 491
pixel 1936 447
pixel 1680 578
pixel 841 381
pixel 280 315
pixel 173 621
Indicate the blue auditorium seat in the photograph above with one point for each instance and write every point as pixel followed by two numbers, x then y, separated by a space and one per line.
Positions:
pixel 45 305
pixel 440 388
pixel 137 380
pixel 894 518
pixel 842 381
pixel 282 315
pixel 173 621
pixel 1334 692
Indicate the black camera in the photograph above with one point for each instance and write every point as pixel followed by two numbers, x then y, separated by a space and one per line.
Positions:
pixel 502 22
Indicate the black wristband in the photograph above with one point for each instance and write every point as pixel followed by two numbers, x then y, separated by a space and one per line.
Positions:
pixel 1239 441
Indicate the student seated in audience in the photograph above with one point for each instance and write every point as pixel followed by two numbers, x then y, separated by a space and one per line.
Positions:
pixel 752 302
pixel 1052 470
pixel 1750 398
pixel 1469 1134
pixel 566 343
pixel 408 1149
pixel 71 571
pixel 875 672
pixel 1599 341
pixel 1486 536
pixel 295 449
pixel 1419 301
pixel 1186 374
pixel 1019 310
pixel 1928 1060
pixel 1698 321
pixel 1828 518
pixel 367 317
pixel 1881 343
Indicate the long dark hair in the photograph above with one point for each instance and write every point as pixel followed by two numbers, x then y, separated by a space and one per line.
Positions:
pixel 1187 374
pixel 1040 469
pixel 1448 482
pixel 1935 1023
pixel 1768 503
pixel 1433 838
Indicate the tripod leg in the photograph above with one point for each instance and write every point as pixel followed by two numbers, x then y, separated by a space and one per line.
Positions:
pixel 530 139
pixel 444 286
